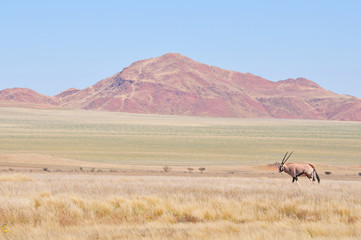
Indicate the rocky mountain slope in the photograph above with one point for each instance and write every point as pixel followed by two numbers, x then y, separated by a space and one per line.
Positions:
pixel 24 97
pixel 177 85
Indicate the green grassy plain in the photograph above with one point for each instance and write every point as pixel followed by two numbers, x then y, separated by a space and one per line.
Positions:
pixel 121 138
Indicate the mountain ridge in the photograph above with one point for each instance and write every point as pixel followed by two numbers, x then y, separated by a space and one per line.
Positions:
pixel 174 84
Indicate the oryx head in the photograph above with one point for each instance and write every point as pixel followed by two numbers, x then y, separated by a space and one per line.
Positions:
pixel 284 160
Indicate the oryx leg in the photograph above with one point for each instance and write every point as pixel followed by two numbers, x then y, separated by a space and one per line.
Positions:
pixel 310 176
pixel 295 178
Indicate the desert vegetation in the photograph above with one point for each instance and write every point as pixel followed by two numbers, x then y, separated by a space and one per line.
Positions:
pixel 167 169
pixel 79 191
pixel 88 206
pixel 171 140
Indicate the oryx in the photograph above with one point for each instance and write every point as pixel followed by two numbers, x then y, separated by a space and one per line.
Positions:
pixel 297 169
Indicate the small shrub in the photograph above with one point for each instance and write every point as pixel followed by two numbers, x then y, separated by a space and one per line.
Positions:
pixel 45 169
pixel 328 173
pixel 190 169
pixel 359 173
pixel 202 169
pixel 167 169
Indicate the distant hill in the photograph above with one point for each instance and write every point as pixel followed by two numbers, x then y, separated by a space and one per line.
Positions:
pixel 24 97
pixel 176 85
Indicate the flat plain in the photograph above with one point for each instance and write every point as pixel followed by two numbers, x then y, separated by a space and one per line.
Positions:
pixel 119 138
pixel 69 174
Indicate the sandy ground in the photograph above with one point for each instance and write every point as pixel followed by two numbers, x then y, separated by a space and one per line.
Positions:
pixel 49 163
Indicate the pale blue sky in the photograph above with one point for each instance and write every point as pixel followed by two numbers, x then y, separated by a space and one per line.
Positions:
pixel 50 46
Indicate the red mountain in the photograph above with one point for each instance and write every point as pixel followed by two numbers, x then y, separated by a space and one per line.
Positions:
pixel 25 97
pixel 177 85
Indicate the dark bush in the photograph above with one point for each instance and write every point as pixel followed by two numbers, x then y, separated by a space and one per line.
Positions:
pixel 167 169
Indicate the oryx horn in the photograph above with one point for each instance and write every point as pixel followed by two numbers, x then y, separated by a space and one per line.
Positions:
pixel 285 160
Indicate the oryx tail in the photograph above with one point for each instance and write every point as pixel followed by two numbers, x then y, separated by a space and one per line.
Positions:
pixel 315 173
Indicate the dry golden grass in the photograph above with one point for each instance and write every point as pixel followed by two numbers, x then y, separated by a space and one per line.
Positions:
pixel 85 206
pixel 14 178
